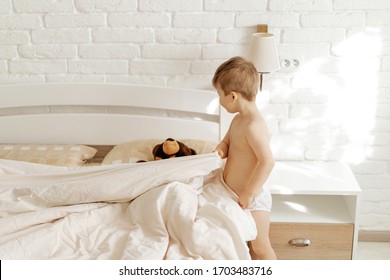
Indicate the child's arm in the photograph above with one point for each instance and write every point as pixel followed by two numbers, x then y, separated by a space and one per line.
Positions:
pixel 260 145
pixel 223 147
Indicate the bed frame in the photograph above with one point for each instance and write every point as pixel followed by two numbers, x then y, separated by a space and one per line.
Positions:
pixel 107 114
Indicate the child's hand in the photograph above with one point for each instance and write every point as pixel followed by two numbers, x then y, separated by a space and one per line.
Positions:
pixel 222 149
pixel 221 153
pixel 245 201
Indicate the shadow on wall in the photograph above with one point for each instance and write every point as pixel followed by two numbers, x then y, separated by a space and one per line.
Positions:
pixel 326 110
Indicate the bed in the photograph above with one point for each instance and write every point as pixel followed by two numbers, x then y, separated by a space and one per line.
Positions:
pixel 71 187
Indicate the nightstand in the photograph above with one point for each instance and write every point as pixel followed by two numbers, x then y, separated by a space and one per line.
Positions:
pixel 315 210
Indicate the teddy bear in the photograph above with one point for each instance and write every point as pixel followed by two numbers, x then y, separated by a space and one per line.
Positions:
pixel 171 148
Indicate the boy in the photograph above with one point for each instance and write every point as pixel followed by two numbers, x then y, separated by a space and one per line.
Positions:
pixel 246 147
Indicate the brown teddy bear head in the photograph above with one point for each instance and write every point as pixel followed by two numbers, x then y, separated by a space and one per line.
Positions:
pixel 171 148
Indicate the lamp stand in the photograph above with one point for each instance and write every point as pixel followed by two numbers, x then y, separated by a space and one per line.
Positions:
pixel 261 81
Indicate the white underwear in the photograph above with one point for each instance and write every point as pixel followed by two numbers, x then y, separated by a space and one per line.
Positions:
pixel 261 202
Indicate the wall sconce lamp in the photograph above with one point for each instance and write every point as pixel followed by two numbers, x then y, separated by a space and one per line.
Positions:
pixel 262 52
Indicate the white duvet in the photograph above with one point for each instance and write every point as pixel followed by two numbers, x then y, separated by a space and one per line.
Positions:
pixel 169 209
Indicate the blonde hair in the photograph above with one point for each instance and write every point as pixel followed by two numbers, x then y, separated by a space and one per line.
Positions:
pixel 238 75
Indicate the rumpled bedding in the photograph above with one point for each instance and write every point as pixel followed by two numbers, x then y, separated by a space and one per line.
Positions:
pixel 169 209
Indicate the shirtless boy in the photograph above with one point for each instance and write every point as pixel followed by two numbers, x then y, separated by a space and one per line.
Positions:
pixel 246 147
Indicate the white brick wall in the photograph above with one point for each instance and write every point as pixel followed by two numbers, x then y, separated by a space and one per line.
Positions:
pixel 334 106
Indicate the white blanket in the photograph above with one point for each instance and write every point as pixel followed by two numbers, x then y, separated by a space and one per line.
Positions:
pixel 169 209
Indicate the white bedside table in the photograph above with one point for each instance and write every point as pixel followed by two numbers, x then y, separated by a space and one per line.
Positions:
pixel 315 210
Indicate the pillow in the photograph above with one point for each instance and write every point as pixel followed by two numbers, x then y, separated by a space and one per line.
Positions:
pixel 131 152
pixel 60 155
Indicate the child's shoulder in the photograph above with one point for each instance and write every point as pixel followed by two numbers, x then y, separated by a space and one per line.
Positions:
pixel 235 119
pixel 258 124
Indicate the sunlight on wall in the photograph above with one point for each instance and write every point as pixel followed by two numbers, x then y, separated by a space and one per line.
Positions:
pixel 356 106
pixel 331 101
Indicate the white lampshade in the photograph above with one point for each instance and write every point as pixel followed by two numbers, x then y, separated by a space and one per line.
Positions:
pixel 262 52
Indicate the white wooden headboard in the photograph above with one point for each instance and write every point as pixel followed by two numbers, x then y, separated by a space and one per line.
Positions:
pixel 106 114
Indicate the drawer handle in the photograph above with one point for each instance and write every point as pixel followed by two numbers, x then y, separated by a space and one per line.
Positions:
pixel 300 242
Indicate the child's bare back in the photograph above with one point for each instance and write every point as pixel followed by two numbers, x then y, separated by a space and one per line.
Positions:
pixel 242 160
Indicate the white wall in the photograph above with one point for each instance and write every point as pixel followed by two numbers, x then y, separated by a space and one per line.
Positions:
pixel 334 106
